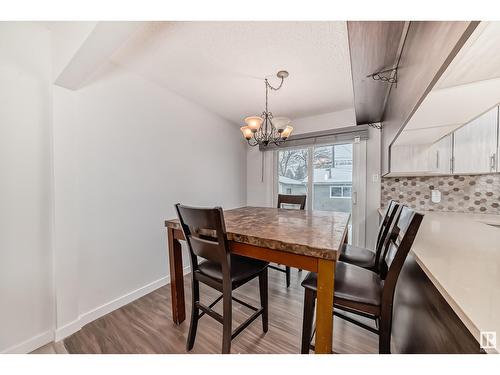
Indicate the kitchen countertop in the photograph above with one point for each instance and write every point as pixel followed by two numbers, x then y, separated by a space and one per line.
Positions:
pixel 460 253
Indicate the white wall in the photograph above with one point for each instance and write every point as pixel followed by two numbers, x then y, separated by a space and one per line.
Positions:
pixel 126 151
pixel 26 221
pixel 260 193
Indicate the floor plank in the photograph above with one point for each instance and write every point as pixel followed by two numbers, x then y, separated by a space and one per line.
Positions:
pixel 51 348
pixel 146 326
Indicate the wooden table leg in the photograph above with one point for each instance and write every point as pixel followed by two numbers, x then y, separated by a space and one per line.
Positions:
pixel 324 308
pixel 176 278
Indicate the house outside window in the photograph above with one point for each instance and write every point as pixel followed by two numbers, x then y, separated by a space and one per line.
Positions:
pixel 340 191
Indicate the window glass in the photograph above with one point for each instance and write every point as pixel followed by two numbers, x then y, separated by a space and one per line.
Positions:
pixel 292 171
pixel 332 178
pixel 335 191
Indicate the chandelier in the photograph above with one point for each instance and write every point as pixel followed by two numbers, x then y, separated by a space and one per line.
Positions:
pixel 266 129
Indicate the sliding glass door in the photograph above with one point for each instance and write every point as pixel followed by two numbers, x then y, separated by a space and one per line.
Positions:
pixel 332 176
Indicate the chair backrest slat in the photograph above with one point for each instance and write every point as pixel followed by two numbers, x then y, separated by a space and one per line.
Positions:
pixel 296 200
pixel 389 216
pixel 205 233
pixel 399 242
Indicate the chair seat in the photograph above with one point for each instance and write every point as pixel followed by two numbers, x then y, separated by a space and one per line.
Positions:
pixel 242 268
pixel 353 284
pixel 358 256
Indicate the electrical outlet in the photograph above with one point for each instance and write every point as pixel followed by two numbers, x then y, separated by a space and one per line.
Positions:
pixel 375 177
pixel 435 196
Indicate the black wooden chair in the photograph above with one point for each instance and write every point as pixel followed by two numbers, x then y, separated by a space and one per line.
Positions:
pixel 205 233
pixel 367 258
pixel 362 292
pixel 297 202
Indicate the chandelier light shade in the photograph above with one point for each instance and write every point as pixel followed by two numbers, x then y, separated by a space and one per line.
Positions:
pixel 286 132
pixel 254 122
pixel 247 132
pixel 281 122
pixel 266 129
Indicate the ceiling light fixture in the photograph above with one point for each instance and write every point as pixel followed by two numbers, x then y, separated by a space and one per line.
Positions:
pixel 266 129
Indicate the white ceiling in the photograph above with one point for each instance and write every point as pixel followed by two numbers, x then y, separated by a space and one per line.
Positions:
pixel 469 87
pixel 478 60
pixel 221 65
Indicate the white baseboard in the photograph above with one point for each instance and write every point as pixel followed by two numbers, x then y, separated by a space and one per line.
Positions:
pixel 31 344
pixel 102 310
pixel 115 304
pixel 67 330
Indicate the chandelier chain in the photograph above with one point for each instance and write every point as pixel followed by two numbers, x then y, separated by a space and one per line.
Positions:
pixel 275 88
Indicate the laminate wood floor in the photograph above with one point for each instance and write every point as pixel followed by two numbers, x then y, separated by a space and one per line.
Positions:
pixel 51 348
pixel 146 326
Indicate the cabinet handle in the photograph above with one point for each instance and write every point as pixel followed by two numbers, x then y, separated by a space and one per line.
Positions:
pixel 493 162
pixel 437 159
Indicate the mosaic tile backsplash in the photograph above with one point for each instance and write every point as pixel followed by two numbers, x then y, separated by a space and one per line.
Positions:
pixel 473 194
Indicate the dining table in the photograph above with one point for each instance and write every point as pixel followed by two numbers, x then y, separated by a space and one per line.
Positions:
pixel 305 239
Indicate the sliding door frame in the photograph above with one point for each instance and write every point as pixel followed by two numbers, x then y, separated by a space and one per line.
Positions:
pixel 358 219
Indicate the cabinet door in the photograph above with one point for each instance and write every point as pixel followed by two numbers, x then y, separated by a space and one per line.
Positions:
pixel 410 159
pixel 475 145
pixel 440 156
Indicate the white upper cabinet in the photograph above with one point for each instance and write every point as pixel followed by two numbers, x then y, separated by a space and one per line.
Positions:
pixel 408 159
pixel 426 159
pixel 471 149
pixel 440 155
pixel 475 145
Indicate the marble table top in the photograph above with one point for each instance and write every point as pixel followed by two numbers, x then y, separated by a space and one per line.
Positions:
pixel 313 233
